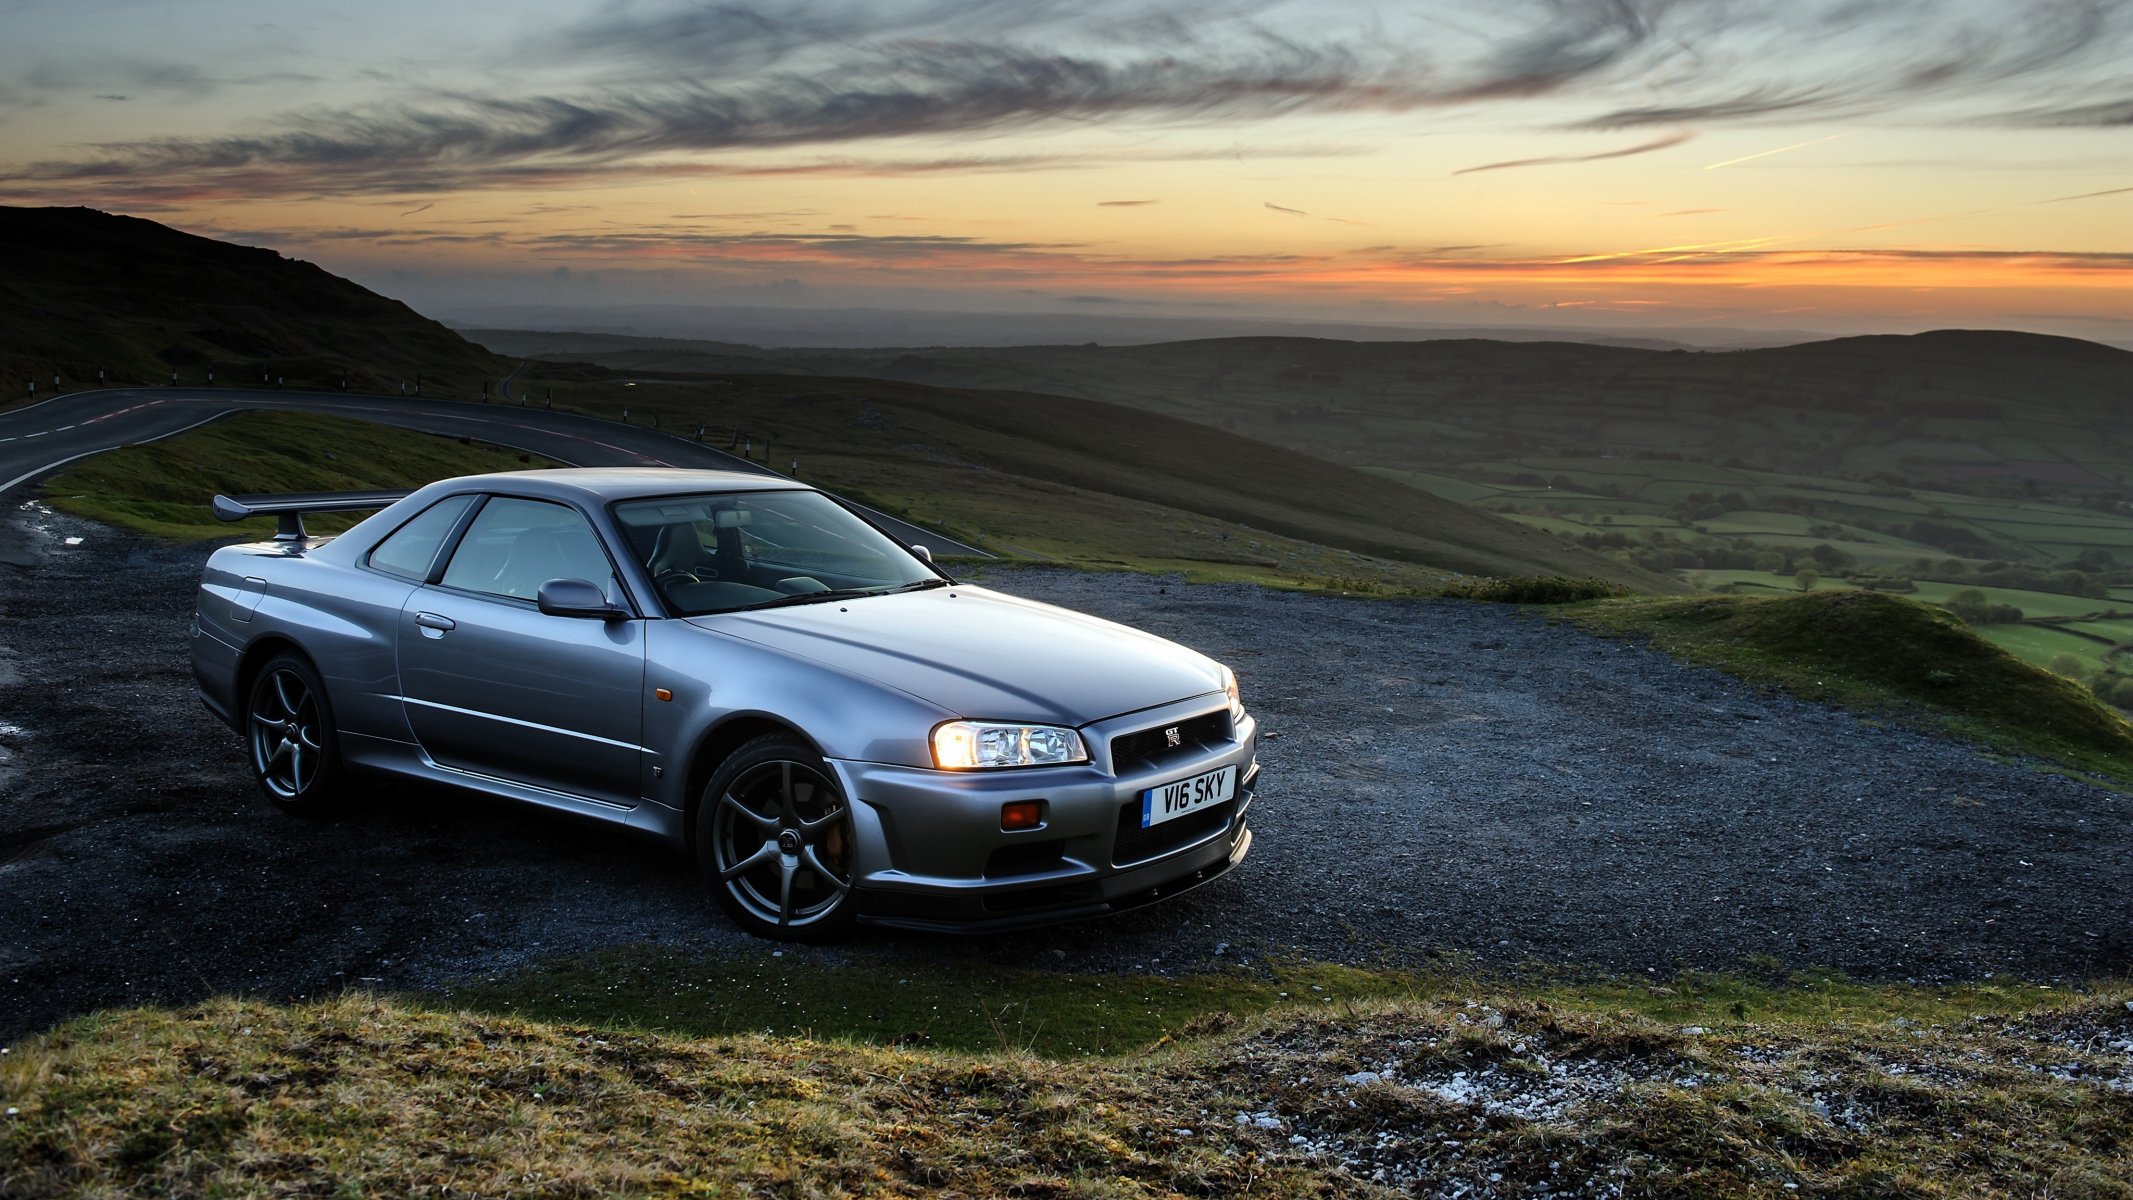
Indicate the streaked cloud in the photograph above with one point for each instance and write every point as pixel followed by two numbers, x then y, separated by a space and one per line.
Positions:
pixel 674 81
pixel 1665 143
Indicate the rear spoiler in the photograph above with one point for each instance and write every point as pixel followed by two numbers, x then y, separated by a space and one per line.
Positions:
pixel 291 507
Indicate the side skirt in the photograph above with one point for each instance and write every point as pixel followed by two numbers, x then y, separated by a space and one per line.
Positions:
pixel 407 760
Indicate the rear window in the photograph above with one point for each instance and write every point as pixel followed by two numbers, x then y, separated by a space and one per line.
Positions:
pixel 412 548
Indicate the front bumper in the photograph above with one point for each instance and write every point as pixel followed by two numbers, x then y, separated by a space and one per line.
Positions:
pixel 930 853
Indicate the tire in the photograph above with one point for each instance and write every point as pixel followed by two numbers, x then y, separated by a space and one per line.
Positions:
pixel 774 841
pixel 290 738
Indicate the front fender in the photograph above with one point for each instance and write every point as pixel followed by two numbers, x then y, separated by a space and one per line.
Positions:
pixel 714 679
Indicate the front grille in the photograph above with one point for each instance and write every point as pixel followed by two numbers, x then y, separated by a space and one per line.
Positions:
pixel 1151 747
pixel 1135 844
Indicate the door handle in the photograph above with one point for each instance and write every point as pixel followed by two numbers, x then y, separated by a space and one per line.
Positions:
pixel 430 620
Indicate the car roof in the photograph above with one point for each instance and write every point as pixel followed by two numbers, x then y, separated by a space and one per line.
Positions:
pixel 602 484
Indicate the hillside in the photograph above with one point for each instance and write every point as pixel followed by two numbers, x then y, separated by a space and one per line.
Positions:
pixel 1932 464
pixel 1062 479
pixel 1097 484
pixel 83 291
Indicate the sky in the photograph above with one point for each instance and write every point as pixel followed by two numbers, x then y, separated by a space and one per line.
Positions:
pixel 1835 166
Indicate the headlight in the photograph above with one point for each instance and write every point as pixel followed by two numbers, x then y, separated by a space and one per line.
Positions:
pixel 1236 701
pixel 975 745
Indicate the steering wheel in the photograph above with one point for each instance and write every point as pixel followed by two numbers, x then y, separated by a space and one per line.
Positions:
pixel 674 575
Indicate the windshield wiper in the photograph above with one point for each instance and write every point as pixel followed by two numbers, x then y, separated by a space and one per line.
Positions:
pixel 840 594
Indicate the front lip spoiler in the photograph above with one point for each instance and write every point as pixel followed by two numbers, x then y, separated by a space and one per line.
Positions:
pixel 1155 893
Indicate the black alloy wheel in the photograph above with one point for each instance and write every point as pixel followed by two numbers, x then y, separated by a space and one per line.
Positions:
pixel 774 840
pixel 289 729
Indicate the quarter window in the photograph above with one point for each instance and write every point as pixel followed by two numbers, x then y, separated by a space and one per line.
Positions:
pixel 514 546
pixel 411 549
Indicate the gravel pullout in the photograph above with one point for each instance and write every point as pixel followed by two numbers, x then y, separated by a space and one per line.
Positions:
pixel 1439 777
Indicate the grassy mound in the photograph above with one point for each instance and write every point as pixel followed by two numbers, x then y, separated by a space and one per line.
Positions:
pixel 362 1096
pixel 1882 653
pixel 163 488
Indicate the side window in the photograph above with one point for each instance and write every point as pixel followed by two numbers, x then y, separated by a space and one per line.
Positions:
pixel 411 549
pixel 515 546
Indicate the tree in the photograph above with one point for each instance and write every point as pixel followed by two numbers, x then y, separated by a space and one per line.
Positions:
pixel 1806 579
pixel 2069 665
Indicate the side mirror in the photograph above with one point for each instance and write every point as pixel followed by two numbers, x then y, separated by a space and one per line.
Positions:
pixel 576 598
pixel 924 554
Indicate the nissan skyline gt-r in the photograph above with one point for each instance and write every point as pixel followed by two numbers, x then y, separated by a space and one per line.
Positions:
pixel 745 668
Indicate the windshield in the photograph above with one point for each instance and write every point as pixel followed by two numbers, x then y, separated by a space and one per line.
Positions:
pixel 723 552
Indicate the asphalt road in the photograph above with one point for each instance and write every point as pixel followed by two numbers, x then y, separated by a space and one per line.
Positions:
pixel 39 438
pixel 1442 782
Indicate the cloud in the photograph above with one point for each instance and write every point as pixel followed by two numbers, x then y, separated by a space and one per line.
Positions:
pixel 1667 142
pixel 1125 203
pixel 663 84
pixel 2107 114
pixel 1294 212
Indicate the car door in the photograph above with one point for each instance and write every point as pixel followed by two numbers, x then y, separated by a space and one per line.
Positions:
pixel 494 686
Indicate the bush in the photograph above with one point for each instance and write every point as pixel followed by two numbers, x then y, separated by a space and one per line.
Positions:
pixel 2069 665
pixel 1533 589
pixel 2113 689
pixel 1975 609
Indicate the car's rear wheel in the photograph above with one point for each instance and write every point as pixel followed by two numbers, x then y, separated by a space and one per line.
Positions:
pixel 289 730
pixel 774 840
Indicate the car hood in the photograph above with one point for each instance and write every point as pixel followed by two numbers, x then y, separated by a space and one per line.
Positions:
pixel 977 653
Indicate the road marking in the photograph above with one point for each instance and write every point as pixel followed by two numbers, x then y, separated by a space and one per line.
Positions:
pixel 39 433
pixel 9 485
pixel 63 429
pixel 53 466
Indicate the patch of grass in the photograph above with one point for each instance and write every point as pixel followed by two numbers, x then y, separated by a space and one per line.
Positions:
pixel 968 1007
pixel 366 1096
pixel 948 1006
pixel 1882 653
pixel 163 488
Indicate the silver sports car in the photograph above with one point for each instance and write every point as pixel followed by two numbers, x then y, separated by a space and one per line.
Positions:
pixel 741 666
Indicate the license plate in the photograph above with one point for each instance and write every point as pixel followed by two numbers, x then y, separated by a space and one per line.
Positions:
pixel 1173 800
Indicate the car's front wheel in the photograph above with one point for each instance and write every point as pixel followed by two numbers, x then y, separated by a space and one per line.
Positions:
pixel 289 730
pixel 774 840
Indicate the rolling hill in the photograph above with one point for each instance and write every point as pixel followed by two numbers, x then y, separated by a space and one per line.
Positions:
pixel 83 291
pixel 1062 479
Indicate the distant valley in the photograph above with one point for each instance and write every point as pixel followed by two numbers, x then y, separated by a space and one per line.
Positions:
pixel 1933 465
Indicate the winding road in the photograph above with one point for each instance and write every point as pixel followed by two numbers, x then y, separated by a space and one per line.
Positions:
pixel 38 439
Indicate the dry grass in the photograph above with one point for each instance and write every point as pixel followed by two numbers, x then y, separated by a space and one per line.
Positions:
pixel 1496 1098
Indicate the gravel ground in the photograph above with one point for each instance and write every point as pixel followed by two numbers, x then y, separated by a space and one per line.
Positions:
pixel 1439 778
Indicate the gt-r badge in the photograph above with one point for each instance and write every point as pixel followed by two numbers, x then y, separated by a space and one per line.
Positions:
pixel 1172 738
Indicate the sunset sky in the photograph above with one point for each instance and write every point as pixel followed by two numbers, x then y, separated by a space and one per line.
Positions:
pixel 1822 165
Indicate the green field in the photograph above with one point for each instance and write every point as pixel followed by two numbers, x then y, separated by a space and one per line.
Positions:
pixel 163 488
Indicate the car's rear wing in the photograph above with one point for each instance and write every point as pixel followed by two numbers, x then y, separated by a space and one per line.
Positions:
pixel 292 506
